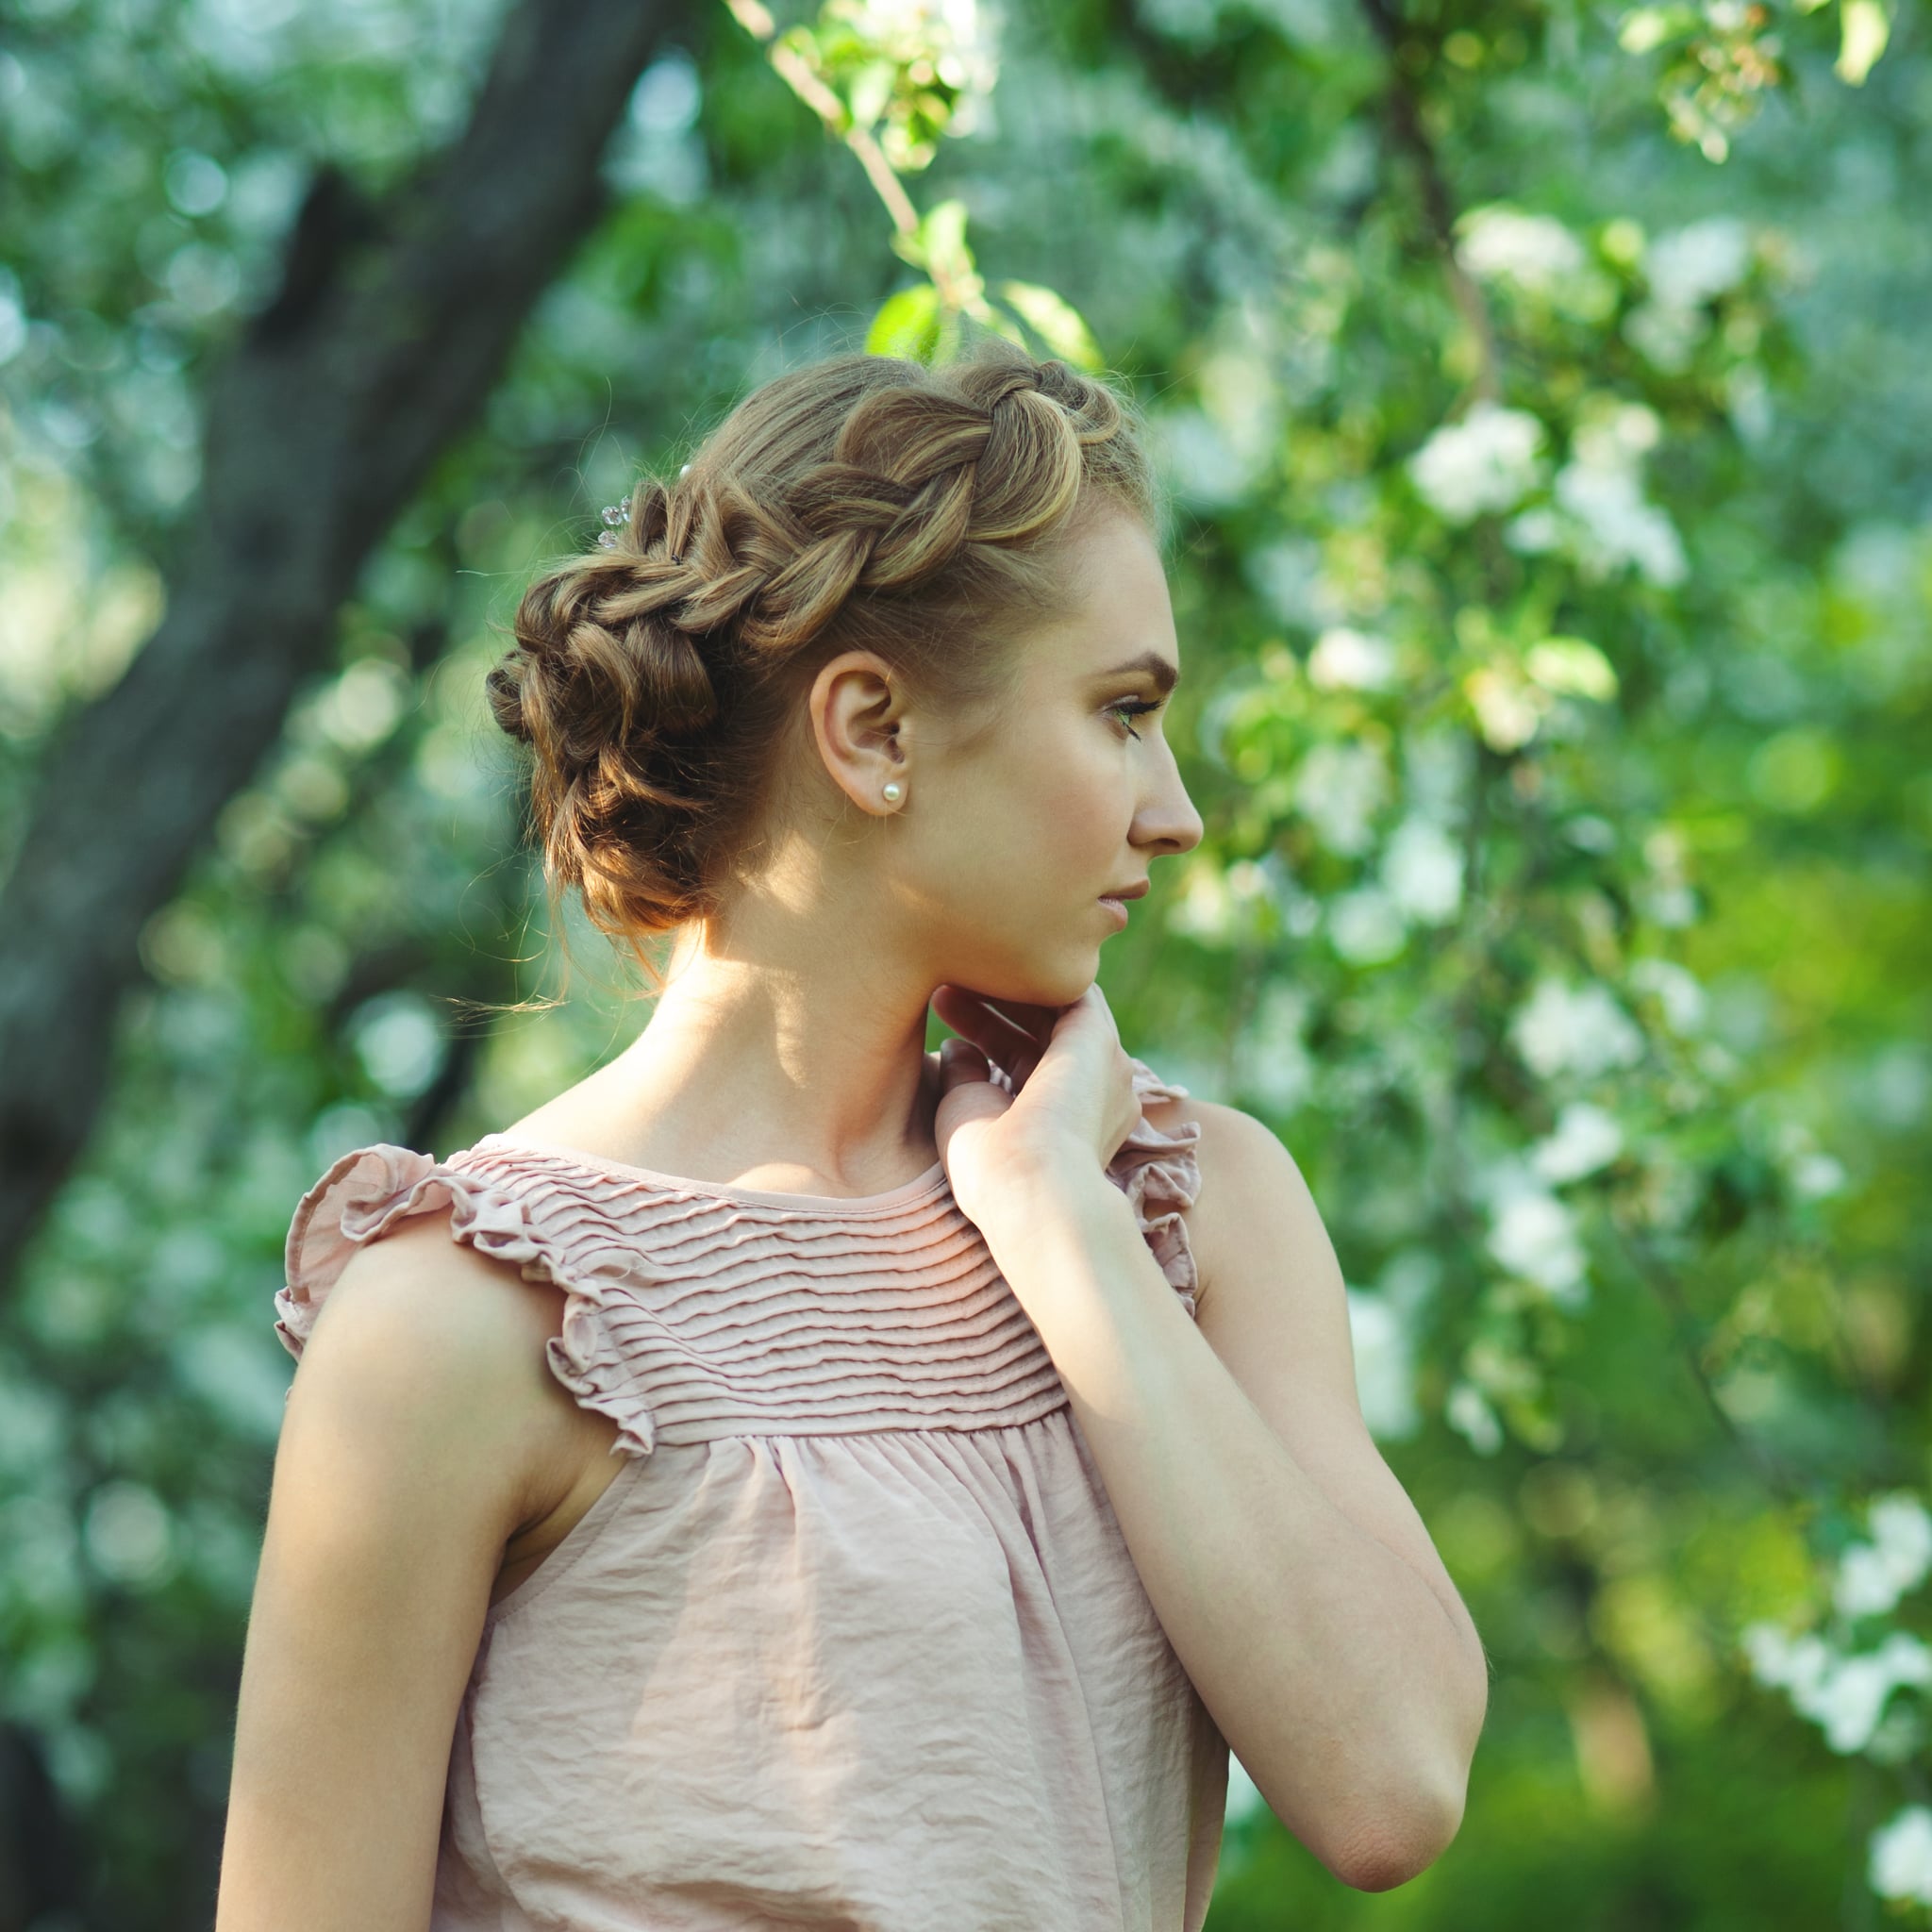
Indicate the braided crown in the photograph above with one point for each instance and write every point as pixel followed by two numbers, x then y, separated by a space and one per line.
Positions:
pixel 863 501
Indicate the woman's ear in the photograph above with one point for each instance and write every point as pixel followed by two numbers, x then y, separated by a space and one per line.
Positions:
pixel 859 723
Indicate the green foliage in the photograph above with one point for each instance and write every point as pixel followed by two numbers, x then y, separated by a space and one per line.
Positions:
pixel 894 70
pixel 1557 648
pixel 1719 56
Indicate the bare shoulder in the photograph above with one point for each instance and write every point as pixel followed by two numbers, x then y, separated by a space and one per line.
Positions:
pixel 1252 1198
pixel 419 1435
pixel 417 1319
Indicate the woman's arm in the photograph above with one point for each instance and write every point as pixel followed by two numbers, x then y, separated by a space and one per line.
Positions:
pixel 417 1440
pixel 1289 1569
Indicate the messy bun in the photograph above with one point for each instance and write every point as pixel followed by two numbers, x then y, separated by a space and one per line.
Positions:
pixel 863 501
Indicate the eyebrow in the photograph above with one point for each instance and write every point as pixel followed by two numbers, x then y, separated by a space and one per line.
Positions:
pixel 1163 671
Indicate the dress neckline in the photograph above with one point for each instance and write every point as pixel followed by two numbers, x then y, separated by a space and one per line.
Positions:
pixel 917 1188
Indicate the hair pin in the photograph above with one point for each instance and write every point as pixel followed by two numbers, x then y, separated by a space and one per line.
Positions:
pixel 614 515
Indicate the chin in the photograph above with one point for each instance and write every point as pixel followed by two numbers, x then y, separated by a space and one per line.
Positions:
pixel 1058 984
pixel 1031 980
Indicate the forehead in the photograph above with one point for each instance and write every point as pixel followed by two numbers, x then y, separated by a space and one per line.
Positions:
pixel 1117 605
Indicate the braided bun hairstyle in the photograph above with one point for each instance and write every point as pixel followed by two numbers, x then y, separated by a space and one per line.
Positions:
pixel 863 501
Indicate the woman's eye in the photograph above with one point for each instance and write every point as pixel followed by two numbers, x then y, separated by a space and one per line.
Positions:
pixel 1132 708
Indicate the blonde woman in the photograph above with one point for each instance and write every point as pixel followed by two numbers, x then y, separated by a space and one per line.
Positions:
pixel 790 1478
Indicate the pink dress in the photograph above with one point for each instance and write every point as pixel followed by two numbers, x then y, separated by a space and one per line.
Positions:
pixel 853 1639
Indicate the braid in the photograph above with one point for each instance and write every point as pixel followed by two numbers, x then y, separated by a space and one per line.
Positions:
pixel 865 501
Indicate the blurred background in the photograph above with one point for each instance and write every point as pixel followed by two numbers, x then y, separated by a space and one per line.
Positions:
pixel 1546 394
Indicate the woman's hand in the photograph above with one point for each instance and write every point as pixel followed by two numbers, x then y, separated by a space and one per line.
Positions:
pixel 1072 1103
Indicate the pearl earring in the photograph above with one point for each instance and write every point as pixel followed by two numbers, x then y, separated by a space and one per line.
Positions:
pixel 893 791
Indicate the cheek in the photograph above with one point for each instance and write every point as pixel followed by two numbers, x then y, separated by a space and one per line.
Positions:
pixel 1084 799
pixel 1047 807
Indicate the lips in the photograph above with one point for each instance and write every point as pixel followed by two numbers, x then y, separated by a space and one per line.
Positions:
pixel 1128 891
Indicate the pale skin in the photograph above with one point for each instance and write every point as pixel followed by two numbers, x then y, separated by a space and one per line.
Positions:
pixel 421 1477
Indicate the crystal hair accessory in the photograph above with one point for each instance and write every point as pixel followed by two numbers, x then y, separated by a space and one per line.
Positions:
pixel 616 515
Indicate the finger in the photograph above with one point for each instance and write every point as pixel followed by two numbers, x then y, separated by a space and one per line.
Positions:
pixel 967 1016
pixel 961 1063
pixel 1029 1022
pixel 998 1037
pixel 1035 1021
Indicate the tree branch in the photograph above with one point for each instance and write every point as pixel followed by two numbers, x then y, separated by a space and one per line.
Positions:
pixel 1439 210
pixel 391 326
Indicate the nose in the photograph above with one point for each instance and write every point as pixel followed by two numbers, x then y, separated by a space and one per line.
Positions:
pixel 1167 822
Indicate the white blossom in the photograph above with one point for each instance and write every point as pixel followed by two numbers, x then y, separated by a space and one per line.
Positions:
pixel 1584 1139
pixel 1534 251
pixel 1581 1030
pixel 1338 788
pixel 1850 1700
pixel 1238 390
pixel 1436 767
pixel 1666 338
pixel 1686 269
pixel 1618 435
pixel 963 37
pixel 1679 990
pixel 1345 659
pixel 1873 1576
pixel 1783 1662
pixel 1535 532
pixel 1422 871
pixel 1275 1066
pixel 1299 911
pixel 1384 1366
pixel 1508 709
pixel 1365 926
pixel 1904 1533
pixel 1615 526
pixel 1600 516
pixel 1203 909
pixel 1900 1863
pixel 1844 1695
pixel 1490 461
pixel 1534 1235
pixel 1470 1415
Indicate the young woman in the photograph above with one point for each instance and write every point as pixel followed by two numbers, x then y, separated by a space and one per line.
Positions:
pixel 792 1478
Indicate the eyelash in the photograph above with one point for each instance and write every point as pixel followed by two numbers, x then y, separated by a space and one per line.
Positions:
pixel 1132 708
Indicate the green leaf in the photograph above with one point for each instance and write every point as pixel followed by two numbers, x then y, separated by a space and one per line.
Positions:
pixel 943 232
pixel 1055 321
pixel 908 325
pixel 871 92
pixel 1572 666
pixel 938 244
pixel 1863 31
pixel 1648 27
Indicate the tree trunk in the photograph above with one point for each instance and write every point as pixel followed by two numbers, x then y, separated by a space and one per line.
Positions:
pixel 391 324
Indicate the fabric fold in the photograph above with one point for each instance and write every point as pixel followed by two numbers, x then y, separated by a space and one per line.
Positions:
pixel 1160 1173
pixel 849 1467
pixel 369 1190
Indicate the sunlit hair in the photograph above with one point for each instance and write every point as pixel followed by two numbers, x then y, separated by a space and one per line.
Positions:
pixel 861 502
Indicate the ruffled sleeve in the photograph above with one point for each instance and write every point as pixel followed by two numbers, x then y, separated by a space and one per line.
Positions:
pixel 1161 1175
pixel 367 1191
